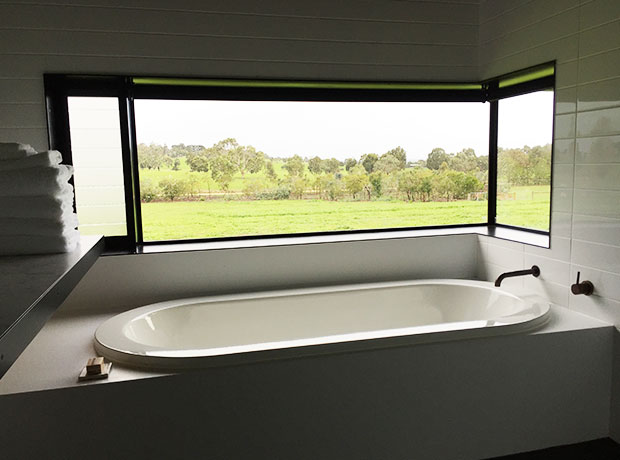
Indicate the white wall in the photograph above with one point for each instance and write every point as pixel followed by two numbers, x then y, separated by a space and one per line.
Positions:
pixel 584 37
pixel 321 39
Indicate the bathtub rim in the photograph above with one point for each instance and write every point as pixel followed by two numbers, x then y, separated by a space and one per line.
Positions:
pixel 151 358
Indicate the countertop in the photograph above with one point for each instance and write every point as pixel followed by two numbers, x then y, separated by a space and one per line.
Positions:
pixel 32 287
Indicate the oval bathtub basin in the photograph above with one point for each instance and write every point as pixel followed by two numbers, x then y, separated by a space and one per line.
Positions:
pixel 216 330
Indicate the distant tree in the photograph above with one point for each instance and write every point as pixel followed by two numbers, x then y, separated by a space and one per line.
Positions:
pixel 199 160
pixel 320 183
pixel 368 161
pixel 376 183
pixel 482 163
pixel 182 150
pixel 334 188
pixel 315 165
pixel 194 183
pixel 400 154
pixel 436 158
pixel 153 156
pixel 297 185
pixel 270 171
pixel 466 183
pixel 349 163
pixel 246 158
pixel 387 164
pixel 416 183
pixel 330 166
pixel 356 180
pixel 464 161
pixel 222 170
pixel 525 166
pixel 294 166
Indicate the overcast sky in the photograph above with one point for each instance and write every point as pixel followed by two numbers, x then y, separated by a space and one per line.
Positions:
pixel 345 130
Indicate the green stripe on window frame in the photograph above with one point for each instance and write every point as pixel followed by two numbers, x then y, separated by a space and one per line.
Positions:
pixel 523 77
pixel 303 84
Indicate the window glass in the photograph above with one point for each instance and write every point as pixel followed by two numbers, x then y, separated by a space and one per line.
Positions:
pixel 525 134
pixel 212 169
pixel 97 159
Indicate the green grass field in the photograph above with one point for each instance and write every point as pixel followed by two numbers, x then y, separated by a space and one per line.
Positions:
pixel 212 219
pixel 165 220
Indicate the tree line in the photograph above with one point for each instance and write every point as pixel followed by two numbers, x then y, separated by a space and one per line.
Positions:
pixel 441 176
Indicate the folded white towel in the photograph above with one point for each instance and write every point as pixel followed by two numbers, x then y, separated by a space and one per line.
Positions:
pixel 20 245
pixel 42 159
pixel 38 226
pixel 34 181
pixel 41 206
pixel 13 150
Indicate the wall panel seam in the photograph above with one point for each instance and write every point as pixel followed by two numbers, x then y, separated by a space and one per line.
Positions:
pixel 607 107
pixel 601 80
pixel 539 45
pixel 236 37
pixel 504 12
pixel 596 135
pixel 594 268
pixel 237 13
pixel 601 24
pixel 598 53
pixel 519 29
pixel 276 61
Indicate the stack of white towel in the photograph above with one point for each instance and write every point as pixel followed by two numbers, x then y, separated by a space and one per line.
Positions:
pixel 36 202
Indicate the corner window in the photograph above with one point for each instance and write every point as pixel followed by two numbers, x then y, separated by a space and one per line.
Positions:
pixel 171 160
pixel 525 132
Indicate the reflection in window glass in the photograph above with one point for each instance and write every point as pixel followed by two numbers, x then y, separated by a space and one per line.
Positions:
pixel 525 133
pixel 212 169
pixel 97 159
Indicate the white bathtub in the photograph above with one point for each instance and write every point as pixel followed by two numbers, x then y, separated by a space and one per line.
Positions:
pixel 230 329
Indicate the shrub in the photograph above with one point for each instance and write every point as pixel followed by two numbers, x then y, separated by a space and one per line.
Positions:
pixel 281 193
pixel 148 190
pixel 173 187
pixel 253 187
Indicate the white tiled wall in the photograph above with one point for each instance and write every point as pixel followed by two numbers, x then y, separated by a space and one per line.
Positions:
pixel 584 37
pixel 319 39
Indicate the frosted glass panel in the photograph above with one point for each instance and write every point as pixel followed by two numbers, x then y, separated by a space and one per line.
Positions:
pixel 97 158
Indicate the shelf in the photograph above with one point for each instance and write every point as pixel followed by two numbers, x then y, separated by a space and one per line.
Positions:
pixel 33 287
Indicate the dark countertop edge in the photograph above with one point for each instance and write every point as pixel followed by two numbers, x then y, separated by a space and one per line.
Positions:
pixel 19 334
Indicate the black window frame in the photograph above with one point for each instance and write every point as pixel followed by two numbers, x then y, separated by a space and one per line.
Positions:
pixel 59 87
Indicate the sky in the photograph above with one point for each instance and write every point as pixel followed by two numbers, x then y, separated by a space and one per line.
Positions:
pixel 345 129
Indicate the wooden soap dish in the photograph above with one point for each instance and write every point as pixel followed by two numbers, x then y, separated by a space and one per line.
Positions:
pixel 95 369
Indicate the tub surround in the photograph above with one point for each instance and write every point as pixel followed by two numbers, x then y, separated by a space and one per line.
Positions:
pixel 58 353
pixel 33 287
pixel 491 396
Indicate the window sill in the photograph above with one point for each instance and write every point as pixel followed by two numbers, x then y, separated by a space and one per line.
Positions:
pixel 511 234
